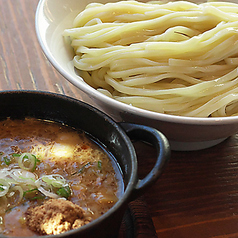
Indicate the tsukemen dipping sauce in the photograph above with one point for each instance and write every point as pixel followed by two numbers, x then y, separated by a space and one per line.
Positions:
pixel 53 178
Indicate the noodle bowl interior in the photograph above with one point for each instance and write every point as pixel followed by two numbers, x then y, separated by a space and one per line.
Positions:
pixel 52 178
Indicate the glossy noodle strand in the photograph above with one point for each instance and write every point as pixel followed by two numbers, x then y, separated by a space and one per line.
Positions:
pixel 178 58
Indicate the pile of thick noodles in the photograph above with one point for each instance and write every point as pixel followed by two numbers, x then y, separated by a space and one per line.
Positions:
pixel 177 58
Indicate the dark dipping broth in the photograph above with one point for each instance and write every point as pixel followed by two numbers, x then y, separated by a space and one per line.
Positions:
pixel 44 161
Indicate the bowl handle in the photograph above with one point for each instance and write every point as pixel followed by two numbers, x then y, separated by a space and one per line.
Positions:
pixel 159 141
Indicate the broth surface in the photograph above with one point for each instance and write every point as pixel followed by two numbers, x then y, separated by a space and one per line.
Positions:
pixel 93 176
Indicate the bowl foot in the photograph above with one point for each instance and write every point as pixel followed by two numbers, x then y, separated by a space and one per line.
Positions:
pixel 191 146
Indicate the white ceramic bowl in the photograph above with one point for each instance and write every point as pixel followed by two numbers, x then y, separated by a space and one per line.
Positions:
pixel 184 133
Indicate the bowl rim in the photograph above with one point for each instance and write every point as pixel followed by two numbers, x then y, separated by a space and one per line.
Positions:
pixel 77 81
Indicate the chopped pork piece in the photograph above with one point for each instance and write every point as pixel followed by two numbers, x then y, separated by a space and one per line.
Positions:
pixel 55 216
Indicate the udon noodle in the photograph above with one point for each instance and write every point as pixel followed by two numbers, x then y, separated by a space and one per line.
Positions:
pixel 178 58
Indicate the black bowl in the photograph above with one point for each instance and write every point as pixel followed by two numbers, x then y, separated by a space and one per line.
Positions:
pixel 115 136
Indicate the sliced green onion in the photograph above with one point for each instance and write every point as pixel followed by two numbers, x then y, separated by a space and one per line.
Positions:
pixel 24 178
pixel 32 194
pixel 4 187
pixel 99 164
pixel 37 197
pixel 16 155
pixel 21 176
pixel 7 160
pixel 51 186
pixel 56 180
pixel 29 191
pixel 48 193
pixel 37 160
pixel 27 161
pixel 64 192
